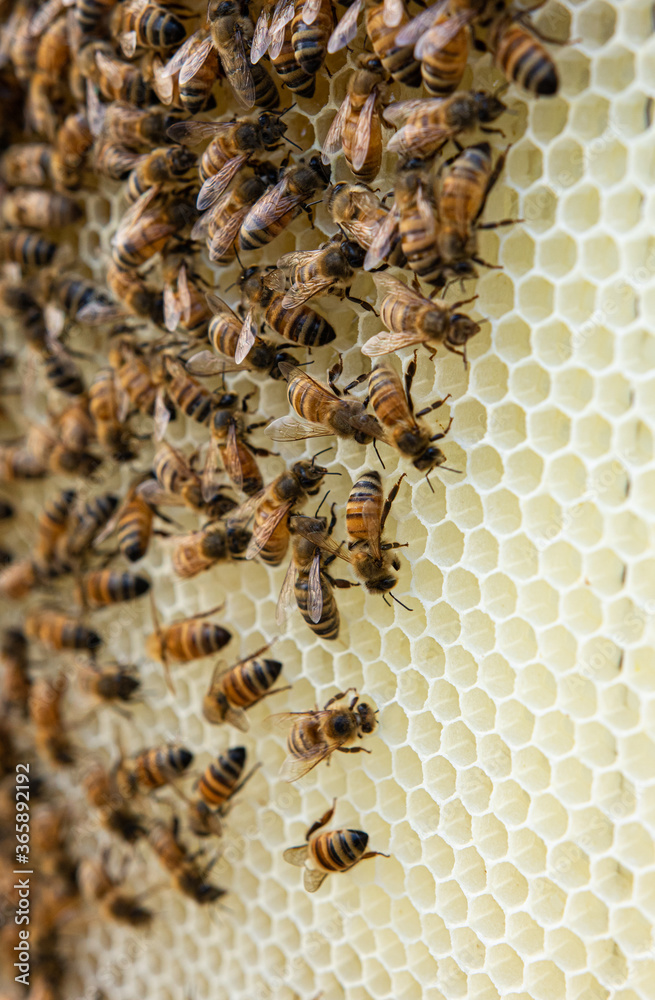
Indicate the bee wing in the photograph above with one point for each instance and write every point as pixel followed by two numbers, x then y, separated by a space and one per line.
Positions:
pixel 320 538
pixel 262 534
pixel 392 286
pixel 95 313
pixel 277 279
pixel 232 458
pixel 383 239
pixel 161 415
pixel 206 363
pixel 386 343
pixel 291 429
pixel 293 371
pixel 261 37
pixel 215 185
pixel 294 767
pixel 362 139
pixel 44 16
pixel 162 81
pixel 333 140
pixel 426 210
pixel 172 309
pixel 393 12
pixel 177 61
pixel 135 212
pixel 184 292
pixel 225 237
pixel 311 10
pixel 313 879
pixel 410 33
pixel 193 133
pixel 284 13
pixel 195 62
pixel 246 337
pixel 286 600
pixel 298 294
pixel 110 68
pixel 296 855
pixel 153 493
pixel 346 29
pixel 237 717
pixel 439 35
pixel 399 110
pixel 432 134
pixel 128 43
pixel 237 70
pixel 210 478
pixel 314 589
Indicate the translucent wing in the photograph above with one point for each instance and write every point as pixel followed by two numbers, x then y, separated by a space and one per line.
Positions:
pixel 172 310
pixel 95 313
pixel 195 62
pixel 290 261
pixel 95 110
pixel 193 133
pixel 293 371
pixel 217 184
pixel 220 308
pixel 383 239
pixel 311 10
pixel 161 415
pixel 296 855
pixel 222 241
pixel 184 293
pixel 162 81
pixel 410 33
pixel 200 227
pixel 210 478
pixel 262 534
pixel 232 458
pixel 246 337
pixel 433 135
pixel 128 43
pixel 135 212
pixel 426 210
pixel 261 37
pixel 400 110
pixel 313 879
pixel 306 526
pixel 393 12
pixel 346 29
pixel 276 279
pixel 291 429
pixel 362 139
pixel 400 291
pixel 237 717
pixel 315 589
pixel 441 34
pixel 294 767
pixel 334 138
pixel 206 363
pixel 386 343
pixel 176 62
pixel 236 64
pixel 44 16
pixel 297 294
pixel 153 493
pixel 277 42
pixel 282 15
pixel 286 600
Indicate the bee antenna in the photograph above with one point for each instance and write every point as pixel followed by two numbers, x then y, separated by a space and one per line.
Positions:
pixel 291 142
pixel 286 112
pixel 393 598
pixel 326 495
pixel 234 283
pixel 375 448
pixel 332 473
pixel 448 469
pixel 329 448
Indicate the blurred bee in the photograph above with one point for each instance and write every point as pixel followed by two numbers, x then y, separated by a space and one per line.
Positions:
pixel 232 145
pixel 232 33
pixel 16 681
pixel 110 682
pixel 185 299
pixel 177 484
pixel 163 167
pixel 44 704
pixel 324 411
pixel 133 293
pixel 22 246
pixel 359 215
pixel 97 885
pixel 195 80
pixel 199 551
pixel 115 79
pixel 296 323
pixel 291 73
pixel 140 24
pixel 106 586
pixel 61 370
pixel 357 125
pixel 52 526
pixel 270 538
pixel 56 630
pixel 413 319
pixel 87 521
pixel 103 795
pixel 331 269
pixel 220 225
pixel 230 451
pixel 114 161
pixel 148 225
pixel 232 690
pixel 333 851
pixel 310 39
pixel 280 206
pixel 397 57
pixel 80 298
pixel 441 37
pixel 7 510
pixel 33 209
pixel 89 13
pixel 73 141
pixel 221 780
pixel 393 406
pixel 186 640
pixel 26 163
pixel 189 877
pixel 107 409
pixel 152 768
pixel 430 124
pixel 520 55
pixel 140 374
pixel 315 735
pixel 136 128
pixel 74 425
pixel 135 524
pixel 18 579
pixel 17 302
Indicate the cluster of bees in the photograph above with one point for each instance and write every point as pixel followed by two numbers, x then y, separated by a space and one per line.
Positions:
pixel 103 96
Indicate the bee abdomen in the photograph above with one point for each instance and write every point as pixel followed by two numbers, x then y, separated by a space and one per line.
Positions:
pixel 64 374
pixel 220 777
pixel 247 684
pixel 340 849
pixel 328 625
pixel 266 95
pixel 526 61
pixel 108 587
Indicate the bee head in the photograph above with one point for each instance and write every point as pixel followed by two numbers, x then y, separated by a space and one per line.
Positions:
pixel 322 169
pixel 353 253
pixel 429 458
pixel 367 721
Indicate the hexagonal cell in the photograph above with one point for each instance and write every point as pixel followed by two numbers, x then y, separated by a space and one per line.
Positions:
pixel 539 208
pixel 510 803
pixel 558 254
pixel 524 164
pixel 580 209
pixel 566 162
pixel 512 338
pixel 536 298
pixel 553 343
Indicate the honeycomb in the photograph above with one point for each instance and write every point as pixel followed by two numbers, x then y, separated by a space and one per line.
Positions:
pixel 511 778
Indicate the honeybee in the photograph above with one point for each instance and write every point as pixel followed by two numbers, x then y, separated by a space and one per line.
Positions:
pixel 315 735
pixel 87 521
pixel 189 877
pixel 56 630
pixel 134 294
pixel 44 703
pixel 18 579
pixel 333 851
pixel 310 38
pixel 279 207
pixel 136 128
pixel 323 411
pixel 103 587
pixel 73 141
pixel 151 768
pixel 232 33
pixel 148 225
pixel 89 13
pixel 221 780
pixel 111 682
pixel 74 425
pixel 237 456
pixel 140 374
pixel 270 29
pixel 232 690
pixel 221 224
pixel 331 269
pixel 296 323
pixel 413 319
pixel 357 125
pixel 107 409
pixel 115 79
pixel 233 144
pixel 359 215
pixel 199 551
pixel 163 167
pixel 97 885
pixel 195 80
pixel 292 74
pixel 103 795
pixel 441 38
pixel 178 484
pixel 520 55
pixel 115 162
pixel 366 515
pixel 26 163
pixel 393 406
pixel 27 207
pixel 139 25
pixel 185 300
pixel 22 246
pixel 188 395
pixel 52 526
pixel 135 525
pixel 396 57
pixel 16 681
pixel 185 640
pixel 430 124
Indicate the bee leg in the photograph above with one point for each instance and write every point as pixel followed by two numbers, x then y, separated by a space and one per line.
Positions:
pixel 360 302
pixel 442 434
pixel 237 788
pixel 262 452
pixel 351 385
pixel 334 374
pixel 339 696
pixel 254 427
pixel 372 854
pixel 393 493
pixel 325 818
pixel 434 406
pixel 353 750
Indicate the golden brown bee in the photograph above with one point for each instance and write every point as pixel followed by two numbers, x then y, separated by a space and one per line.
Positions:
pixel 270 30
pixel 323 411
pixel 134 294
pixel 103 795
pixel 164 167
pixel 140 373
pixel 393 406
pixel 108 412
pixel 232 690
pixel 187 394
pixel 74 425
pixel 519 55
pixel 289 69
pixel 333 851
pixel 366 515
pixel 115 162
pixel 107 586
pixel 56 630
pixel 414 219
pixel 39 209
pixel 231 34
pixel 18 579
pixel 87 521
pixel 315 735
pixel 16 462
pixel 17 302
pixel 140 25
pixel 115 79
pixel 279 207
pixel 136 128
pixel 218 784
pixel 189 877
pixel 195 79
pixel 384 34
pixel 52 525
pixel 16 681
pixel 26 163
pixel 22 246
pixel 441 38
pixel 148 225
pixel 413 319
pixel 44 704
pixel 111 682
pixel 186 640
pixel 97 885
pixel 80 298
pixel 359 215
pixel 430 124
pixel 151 768
pixel 310 38
pixel 73 141
pixel 185 299
pixel 135 525
pixel 298 324
pixel 220 225
pixel 331 269
pixel 199 551
pixel 237 456
pixel 357 125
pixel 177 484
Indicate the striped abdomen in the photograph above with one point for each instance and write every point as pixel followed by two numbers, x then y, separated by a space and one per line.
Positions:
pixel 22 246
pixel 89 521
pixel 89 12
pixel 243 471
pixel 397 315
pixel 277 544
pixel 59 632
pixel 419 245
pixel 442 71
pixel 523 58
pixel 398 60
pixel 338 850
pixel 52 522
pixel 246 683
pixel 304 736
pixel 63 373
pixel 156 28
pixel 109 587
pixel 135 377
pixel 135 528
pixel 464 188
pixel 190 397
pixel 366 493
pixel 221 776
pixel 327 627
pixel 257 230
pixel 300 324
pixel 266 95
pixel 153 769
pixel 387 396
pixel 291 72
pixel 223 335
pixel 190 640
pixel 310 40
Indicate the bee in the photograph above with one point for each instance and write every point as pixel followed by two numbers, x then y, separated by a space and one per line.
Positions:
pixel 135 525
pixel 233 144
pixel 315 735
pixel 165 166
pixel 74 426
pixel 430 124
pixel 397 57
pixel 140 374
pixel 189 877
pixel 178 484
pixel 521 56
pixel 185 300
pixel 115 79
pixel 287 67
pixel 272 507
pixel 97 885
pixel 188 395
pixel 357 125
pixel 28 208
pixel 221 224
pixel 333 851
pixel 324 411
pixel 89 13
pixel 221 780
pixel 16 681
pixel 107 409
pixel 102 794
pixel 279 207
pixel 44 703
pixel 22 246
pixel 310 39
pixel 413 218
pixel 270 30
pixel 366 515
pixel 135 296
pixel 297 323
pixel 413 319
pixel 87 521
pixel 18 579
pixel 61 371
pixel 229 444
pixel 393 406
pixel 199 551
pixel 26 163
pixel 56 630
pixel 195 80
pixel 359 215
pixel 79 298
pixel 231 34
pixel 329 269
pixel 441 38
pixel 115 162
pixel 232 690
pixel 52 526
pixel 152 768
pixel 109 682
pixel 140 25
pixel 73 141
pixel 16 463
pixel 106 586
pixel 136 128
pixel 147 227
pixel 186 640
